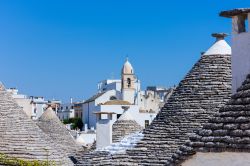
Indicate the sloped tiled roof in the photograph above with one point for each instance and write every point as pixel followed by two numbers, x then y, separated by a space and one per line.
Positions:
pixel 53 127
pixel 124 126
pixel 199 95
pixel 229 130
pixel 94 97
pixel 20 137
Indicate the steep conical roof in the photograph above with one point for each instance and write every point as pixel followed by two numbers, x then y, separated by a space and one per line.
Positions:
pixel 53 127
pixel 229 130
pixel 20 137
pixel 124 126
pixel 198 96
pixel 49 115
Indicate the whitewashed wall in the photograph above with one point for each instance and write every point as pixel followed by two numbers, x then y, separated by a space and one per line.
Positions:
pixel 240 56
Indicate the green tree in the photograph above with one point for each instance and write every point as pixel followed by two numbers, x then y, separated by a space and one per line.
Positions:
pixel 76 123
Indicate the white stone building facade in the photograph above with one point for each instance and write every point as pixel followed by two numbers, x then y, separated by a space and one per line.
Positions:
pixel 126 92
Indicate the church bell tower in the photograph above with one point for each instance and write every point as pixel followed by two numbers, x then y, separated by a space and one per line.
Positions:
pixel 128 83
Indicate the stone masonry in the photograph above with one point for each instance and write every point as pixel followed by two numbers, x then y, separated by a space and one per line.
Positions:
pixel 20 137
pixel 50 124
pixel 124 126
pixel 227 131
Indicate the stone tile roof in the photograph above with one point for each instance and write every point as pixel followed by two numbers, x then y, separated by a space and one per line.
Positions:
pixel 229 130
pixel 53 127
pixel 198 96
pixel 124 126
pixel 20 137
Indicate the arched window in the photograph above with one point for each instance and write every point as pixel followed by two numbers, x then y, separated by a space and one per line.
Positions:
pixel 129 82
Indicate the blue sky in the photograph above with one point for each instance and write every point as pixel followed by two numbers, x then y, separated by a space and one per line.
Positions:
pixel 61 49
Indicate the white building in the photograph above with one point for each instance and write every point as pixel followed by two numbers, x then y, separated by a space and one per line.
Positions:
pixel 66 111
pixel 90 106
pixel 107 85
pixel 22 100
pixel 39 105
pixel 240 45
pixel 32 106
pixel 115 95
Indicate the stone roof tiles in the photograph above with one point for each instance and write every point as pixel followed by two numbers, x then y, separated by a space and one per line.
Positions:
pixel 124 126
pixel 20 137
pixel 198 96
pixel 228 130
pixel 53 127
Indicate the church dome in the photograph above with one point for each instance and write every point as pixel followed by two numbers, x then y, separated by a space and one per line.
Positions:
pixel 127 68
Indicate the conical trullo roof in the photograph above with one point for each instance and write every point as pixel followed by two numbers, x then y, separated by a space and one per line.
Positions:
pixel 53 127
pixel 124 126
pixel 198 96
pixel 20 137
pixel 229 130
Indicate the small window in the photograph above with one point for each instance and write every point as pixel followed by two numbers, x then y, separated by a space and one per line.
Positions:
pixel 112 98
pixel 72 107
pixel 35 110
pixel 129 82
pixel 67 107
pixel 61 108
pixel 146 123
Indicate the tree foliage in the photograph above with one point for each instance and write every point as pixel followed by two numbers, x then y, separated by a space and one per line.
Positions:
pixel 76 122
